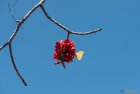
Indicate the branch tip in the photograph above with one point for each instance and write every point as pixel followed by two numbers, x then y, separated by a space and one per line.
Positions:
pixel 21 22
pixel 14 65
pixel 65 28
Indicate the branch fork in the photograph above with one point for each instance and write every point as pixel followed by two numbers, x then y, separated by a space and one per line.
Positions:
pixel 21 22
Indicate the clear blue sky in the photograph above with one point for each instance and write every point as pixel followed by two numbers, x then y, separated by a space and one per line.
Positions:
pixel 112 57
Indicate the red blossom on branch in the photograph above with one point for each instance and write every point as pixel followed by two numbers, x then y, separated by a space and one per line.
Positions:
pixel 64 51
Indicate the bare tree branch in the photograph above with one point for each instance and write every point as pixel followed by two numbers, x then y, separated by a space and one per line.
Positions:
pixel 3 46
pixel 14 65
pixel 8 43
pixel 65 28
pixel 21 22
pixel 86 33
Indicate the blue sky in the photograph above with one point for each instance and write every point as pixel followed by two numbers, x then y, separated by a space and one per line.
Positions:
pixel 111 61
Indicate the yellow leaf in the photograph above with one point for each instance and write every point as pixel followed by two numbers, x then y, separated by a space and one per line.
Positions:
pixel 79 55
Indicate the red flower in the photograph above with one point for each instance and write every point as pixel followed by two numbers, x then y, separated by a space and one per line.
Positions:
pixel 64 51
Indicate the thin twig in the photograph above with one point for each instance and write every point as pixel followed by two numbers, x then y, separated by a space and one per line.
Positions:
pixel 21 23
pixel 65 28
pixel 8 43
pixel 23 20
pixel 14 65
pixel 54 21
pixel 3 46
pixel 68 35
pixel 86 33
pixel 10 11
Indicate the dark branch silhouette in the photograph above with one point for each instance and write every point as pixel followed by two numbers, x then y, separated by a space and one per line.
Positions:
pixel 14 65
pixel 21 22
pixel 65 28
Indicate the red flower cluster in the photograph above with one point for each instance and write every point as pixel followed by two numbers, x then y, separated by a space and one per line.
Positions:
pixel 64 51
